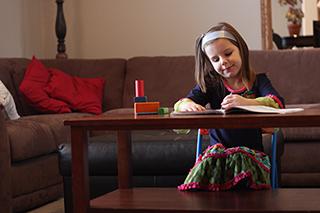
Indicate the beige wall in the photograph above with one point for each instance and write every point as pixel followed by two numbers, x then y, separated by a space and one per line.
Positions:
pixel 125 28
pixel 310 14
pixel 10 25
pixel 27 28
pixel 38 25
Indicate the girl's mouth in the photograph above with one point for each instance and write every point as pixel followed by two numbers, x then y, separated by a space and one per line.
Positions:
pixel 228 69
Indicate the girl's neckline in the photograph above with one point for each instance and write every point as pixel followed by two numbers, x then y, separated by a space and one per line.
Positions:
pixel 242 89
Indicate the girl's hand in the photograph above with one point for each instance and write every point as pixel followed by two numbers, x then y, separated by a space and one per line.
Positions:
pixel 236 100
pixel 188 105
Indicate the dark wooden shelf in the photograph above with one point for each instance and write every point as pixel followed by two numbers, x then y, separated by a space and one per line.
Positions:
pixel 298 41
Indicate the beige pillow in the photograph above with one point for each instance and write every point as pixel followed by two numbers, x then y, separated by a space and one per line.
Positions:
pixel 6 100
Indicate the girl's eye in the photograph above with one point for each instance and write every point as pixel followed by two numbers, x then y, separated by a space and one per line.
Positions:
pixel 215 59
pixel 228 53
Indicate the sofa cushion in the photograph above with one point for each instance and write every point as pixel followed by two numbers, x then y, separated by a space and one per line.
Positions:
pixel 162 76
pixel 81 94
pixel 302 133
pixel 4 72
pixel 35 79
pixel 29 139
pixel 3 112
pixel 17 70
pixel 60 132
pixel 293 73
pixel 36 135
pixel 35 178
pixel 154 153
pixel 301 157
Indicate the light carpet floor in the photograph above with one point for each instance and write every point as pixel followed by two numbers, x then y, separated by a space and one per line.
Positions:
pixel 53 207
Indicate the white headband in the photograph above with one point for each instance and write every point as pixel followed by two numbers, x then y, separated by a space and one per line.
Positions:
pixel 210 36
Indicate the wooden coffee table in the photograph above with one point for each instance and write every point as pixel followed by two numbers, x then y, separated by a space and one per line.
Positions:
pixel 146 200
pixel 127 199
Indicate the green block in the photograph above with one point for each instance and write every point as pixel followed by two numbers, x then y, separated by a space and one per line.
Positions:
pixel 163 110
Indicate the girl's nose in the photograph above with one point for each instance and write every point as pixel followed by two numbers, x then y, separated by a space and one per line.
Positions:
pixel 224 61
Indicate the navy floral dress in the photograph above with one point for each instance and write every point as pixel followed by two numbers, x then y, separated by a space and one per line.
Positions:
pixel 235 155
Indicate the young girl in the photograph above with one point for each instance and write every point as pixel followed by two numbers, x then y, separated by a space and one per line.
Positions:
pixel 225 79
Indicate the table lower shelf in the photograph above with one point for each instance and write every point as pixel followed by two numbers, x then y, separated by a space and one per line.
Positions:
pixel 156 200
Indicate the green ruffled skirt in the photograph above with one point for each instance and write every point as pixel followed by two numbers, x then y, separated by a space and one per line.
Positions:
pixel 220 168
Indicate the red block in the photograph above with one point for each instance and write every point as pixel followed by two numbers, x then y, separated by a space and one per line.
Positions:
pixel 139 88
pixel 141 108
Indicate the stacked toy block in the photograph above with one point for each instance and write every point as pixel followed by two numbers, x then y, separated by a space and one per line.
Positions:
pixel 141 104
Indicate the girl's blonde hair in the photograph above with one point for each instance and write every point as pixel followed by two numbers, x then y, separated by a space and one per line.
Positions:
pixel 205 74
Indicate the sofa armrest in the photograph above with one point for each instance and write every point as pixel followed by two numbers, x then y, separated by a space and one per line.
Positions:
pixel 5 167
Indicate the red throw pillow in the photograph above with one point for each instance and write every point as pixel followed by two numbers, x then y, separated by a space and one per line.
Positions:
pixel 32 86
pixel 81 94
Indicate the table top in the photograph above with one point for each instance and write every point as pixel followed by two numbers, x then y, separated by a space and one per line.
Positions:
pixel 130 121
pixel 173 200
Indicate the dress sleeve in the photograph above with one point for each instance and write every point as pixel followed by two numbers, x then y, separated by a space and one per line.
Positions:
pixel 198 96
pixel 267 90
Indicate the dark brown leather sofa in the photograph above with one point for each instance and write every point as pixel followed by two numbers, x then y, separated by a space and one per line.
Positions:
pixel 29 167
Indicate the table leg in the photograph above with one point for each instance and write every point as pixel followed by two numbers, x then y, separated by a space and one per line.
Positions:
pixel 124 160
pixel 80 176
pixel 274 169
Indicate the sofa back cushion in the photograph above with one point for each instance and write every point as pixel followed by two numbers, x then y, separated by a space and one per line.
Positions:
pixel 166 79
pixel 294 73
pixel 10 71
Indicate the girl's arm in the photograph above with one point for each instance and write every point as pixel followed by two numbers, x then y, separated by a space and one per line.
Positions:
pixel 268 96
pixel 268 101
pixel 195 101
pixel 236 100
pixel 187 104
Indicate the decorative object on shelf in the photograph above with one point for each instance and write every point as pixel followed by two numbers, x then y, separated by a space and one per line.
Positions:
pixel 61 31
pixel 294 15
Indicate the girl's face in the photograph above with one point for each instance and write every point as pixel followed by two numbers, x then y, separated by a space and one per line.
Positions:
pixel 225 58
